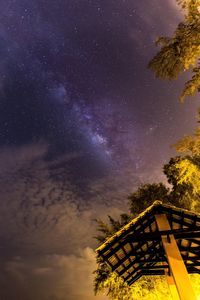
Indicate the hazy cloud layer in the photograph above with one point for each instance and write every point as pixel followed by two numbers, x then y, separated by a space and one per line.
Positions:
pixel 47 227
pixel 45 277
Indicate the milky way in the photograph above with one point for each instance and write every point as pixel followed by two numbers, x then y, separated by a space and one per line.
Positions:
pixel 75 75
pixel 83 122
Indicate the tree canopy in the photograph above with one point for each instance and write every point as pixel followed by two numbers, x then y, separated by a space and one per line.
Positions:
pixel 178 53
pixel 187 168
pixel 181 52
pixel 183 176
pixel 180 193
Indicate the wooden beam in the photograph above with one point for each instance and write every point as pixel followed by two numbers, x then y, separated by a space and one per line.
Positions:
pixel 172 286
pixel 176 264
pixel 185 233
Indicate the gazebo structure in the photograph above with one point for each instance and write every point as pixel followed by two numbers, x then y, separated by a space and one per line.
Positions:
pixel 163 240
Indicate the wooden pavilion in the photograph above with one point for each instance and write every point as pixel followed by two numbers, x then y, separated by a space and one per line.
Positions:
pixel 163 240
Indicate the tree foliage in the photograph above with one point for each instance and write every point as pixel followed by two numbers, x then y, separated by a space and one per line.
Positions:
pixel 189 173
pixel 145 288
pixel 183 175
pixel 190 144
pixel 180 194
pixel 108 229
pixel 145 195
pixel 187 167
pixel 178 53
pixel 181 51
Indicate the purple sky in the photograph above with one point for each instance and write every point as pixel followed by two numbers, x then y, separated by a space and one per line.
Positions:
pixel 83 122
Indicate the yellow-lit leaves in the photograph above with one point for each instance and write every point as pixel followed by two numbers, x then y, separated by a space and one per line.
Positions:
pixel 182 50
pixel 192 85
pixel 189 173
pixel 189 144
pixel 146 288
pixel 178 53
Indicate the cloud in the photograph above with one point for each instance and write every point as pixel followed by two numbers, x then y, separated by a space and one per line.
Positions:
pixel 43 210
pixel 43 196
pixel 47 226
pixel 46 229
pixel 59 277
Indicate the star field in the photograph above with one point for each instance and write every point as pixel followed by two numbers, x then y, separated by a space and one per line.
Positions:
pixel 83 122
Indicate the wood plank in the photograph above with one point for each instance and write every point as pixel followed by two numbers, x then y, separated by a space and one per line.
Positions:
pixel 172 286
pixel 177 266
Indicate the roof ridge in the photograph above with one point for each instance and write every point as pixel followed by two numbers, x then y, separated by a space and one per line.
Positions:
pixel 157 203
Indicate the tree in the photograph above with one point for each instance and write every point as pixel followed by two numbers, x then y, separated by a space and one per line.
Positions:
pixel 145 288
pixel 177 54
pixel 181 52
pixel 181 193
pixel 105 280
pixel 187 168
pixel 144 196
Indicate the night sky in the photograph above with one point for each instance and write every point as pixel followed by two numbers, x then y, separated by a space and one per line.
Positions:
pixel 83 122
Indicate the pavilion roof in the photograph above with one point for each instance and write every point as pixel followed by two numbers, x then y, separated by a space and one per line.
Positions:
pixel 136 249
